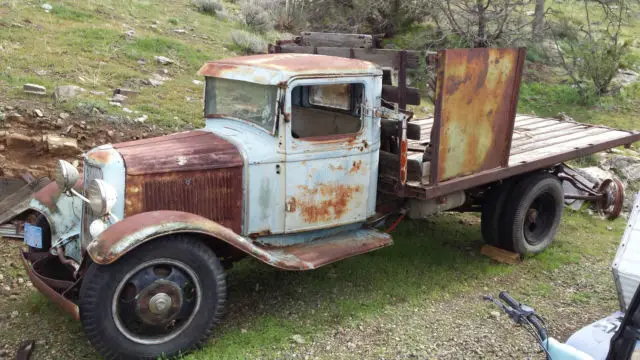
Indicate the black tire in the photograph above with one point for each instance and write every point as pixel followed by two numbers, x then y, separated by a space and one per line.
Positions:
pixel 532 214
pixel 42 223
pixel 102 294
pixel 492 211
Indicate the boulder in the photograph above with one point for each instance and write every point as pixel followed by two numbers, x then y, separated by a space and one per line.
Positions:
pixel 66 92
pixel 163 60
pixel 60 145
pixel 17 141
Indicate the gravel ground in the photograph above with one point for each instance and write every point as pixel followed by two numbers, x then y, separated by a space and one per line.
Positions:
pixel 446 328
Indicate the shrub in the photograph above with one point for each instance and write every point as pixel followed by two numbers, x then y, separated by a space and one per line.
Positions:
pixel 210 7
pixel 248 43
pixel 256 15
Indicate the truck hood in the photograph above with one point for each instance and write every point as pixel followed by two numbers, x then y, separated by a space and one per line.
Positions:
pixel 186 151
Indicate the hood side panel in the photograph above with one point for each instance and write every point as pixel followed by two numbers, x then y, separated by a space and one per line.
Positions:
pixel 187 151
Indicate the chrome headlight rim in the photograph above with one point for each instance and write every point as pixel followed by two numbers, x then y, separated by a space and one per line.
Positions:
pixel 102 197
pixel 66 175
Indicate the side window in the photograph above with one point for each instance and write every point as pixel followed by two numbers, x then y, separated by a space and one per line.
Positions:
pixel 326 110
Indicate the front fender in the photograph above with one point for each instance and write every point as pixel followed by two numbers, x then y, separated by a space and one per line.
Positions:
pixel 63 212
pixel 132 231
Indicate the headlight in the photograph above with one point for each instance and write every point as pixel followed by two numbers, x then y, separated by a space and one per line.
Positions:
pixel 66 175
pixel 101 196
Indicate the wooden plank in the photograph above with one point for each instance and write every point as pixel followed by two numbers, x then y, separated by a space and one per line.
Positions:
pixel 390 128
pixel 536 125
pixel 534 138
pixel 557 140
pixel 308 38
pixel 389 164
pixel 567 147
pixel 549 129
pixel 382 57
pixel 500 255
pixel 390 93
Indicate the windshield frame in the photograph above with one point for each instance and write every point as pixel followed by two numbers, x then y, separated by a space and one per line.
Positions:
pixel 276 106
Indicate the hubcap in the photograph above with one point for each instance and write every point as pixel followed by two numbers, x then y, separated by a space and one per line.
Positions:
pixel 156 301
pixel 160 303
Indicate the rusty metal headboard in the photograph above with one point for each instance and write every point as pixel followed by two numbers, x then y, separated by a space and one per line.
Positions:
pixel 476 99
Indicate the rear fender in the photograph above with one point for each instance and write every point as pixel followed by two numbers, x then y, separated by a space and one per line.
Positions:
pixel 131 232
pixel 63 212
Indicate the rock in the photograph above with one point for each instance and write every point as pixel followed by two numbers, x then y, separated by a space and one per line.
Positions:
pixel 632 172
pixel 119 98
pixel 126 92
pixel 113 103
pixel 609 228
pixel 141 61
pixel 57 144
pixel 494 314
pixel 298 339
pixel 243 331
pixel 197 82
pixel 63 116
pixel 154 82
pixel 625 78
pixel 66 92
pixel 14 116
pixel 2 116
pixel 594 174
pixel 46 7
pixel 162 60
pixel 19 141
pixel 564 117
pixel 179 31
pixel 620 163
pixel 20 281
pixel 1 277
pixel 59 122
pixel 141 119
pixel 130 33
pixel 14 314
pixel 127 110
pixel 8 108
pixel 38 113
pixel 531 13
pixel 96 93
pixel 110 133
pixel 35 89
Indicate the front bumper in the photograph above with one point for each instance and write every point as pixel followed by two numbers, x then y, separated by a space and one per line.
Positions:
pixel 48 282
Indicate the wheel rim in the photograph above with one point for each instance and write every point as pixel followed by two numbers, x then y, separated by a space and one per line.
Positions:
pixel 539 219
pixel 156 301
pixel 611 206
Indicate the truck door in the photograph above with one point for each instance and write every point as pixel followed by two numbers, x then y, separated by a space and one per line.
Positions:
pixel 331 174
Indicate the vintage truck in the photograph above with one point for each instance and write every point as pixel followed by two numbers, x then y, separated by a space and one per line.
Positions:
pixel 298 162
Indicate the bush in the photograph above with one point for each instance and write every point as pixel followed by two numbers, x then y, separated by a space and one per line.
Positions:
pixel 248 42
pixel 290 17
pixel 256 16
pixel 210 7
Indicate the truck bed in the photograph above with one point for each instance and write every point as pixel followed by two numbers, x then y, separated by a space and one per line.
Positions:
pixel 537 143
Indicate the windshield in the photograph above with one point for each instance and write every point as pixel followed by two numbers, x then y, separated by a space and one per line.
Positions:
pixel 241 100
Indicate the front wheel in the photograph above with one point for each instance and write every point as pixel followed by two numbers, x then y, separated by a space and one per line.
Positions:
pixel 160 300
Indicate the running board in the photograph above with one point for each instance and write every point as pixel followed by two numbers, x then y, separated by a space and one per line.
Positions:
pixel 323 251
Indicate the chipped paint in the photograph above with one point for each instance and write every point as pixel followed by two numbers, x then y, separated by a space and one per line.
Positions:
pixel 278 69
pixel 325 202
pixel 481 82
pixel 129 233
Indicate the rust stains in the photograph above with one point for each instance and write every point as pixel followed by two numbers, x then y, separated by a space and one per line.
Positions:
pixel 49 195
pixel 481 82
pixel 100 156
pixel 325 202
pixel 186 151
pixel 332 167
pixel 356 167
pixel 214 194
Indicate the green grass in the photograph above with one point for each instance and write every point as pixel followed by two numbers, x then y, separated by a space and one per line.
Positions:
pixel 69 13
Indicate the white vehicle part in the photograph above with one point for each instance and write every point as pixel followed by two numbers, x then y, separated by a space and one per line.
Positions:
pixel 626 264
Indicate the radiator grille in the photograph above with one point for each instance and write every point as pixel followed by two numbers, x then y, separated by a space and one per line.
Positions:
pixel 90 172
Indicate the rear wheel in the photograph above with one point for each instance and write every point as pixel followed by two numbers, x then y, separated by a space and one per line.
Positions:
pixel 532 214
pixel 160 300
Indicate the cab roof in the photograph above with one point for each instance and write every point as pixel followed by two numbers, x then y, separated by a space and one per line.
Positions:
pixel 275 69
